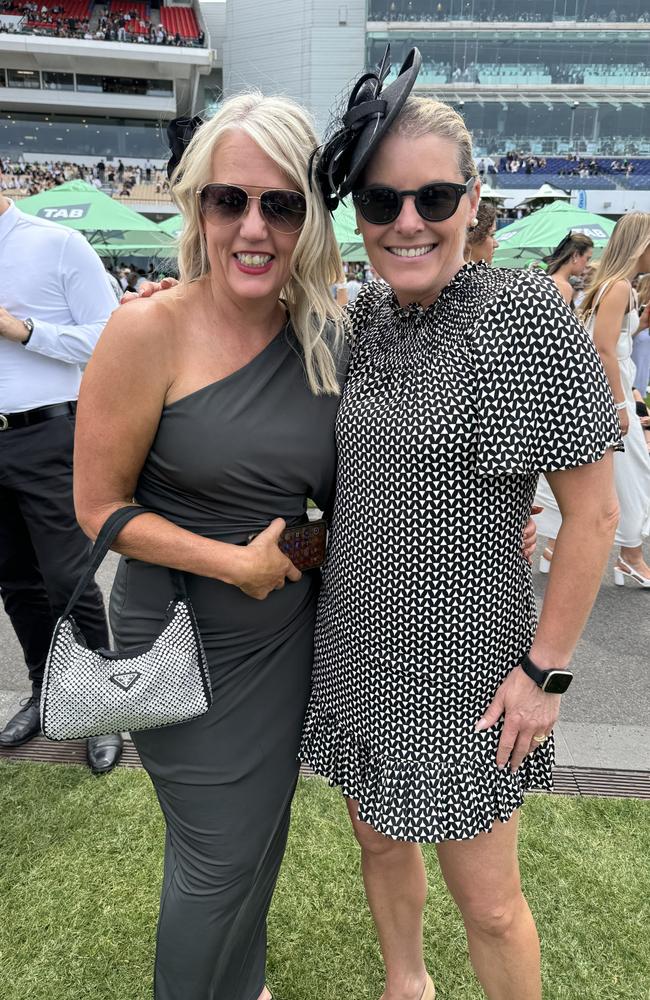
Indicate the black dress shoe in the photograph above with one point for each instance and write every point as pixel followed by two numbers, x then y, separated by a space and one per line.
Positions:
pixel 25 724
pixel 104 752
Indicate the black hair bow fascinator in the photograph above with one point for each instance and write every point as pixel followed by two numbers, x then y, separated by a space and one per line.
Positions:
pixel 179 133
pixel 337 165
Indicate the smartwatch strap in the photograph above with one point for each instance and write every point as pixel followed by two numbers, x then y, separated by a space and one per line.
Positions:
pixel 534 672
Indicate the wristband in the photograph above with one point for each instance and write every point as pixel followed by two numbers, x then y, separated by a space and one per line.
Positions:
pixel 29 326
pixel 621 406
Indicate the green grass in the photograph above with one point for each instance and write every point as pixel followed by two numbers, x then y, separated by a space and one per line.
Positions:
pixel 80 866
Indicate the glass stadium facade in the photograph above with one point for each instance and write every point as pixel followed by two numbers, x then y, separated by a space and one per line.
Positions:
pixel 549 87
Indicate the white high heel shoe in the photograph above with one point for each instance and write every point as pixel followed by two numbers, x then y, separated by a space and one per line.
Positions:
pixel 545 561
pixel 623 570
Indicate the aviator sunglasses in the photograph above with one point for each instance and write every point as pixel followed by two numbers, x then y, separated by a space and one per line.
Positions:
pixel 435 202
pixel 225 204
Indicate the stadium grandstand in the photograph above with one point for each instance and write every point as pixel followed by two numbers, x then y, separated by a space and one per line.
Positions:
pixel 551 77
pixel 83 81
pixel 554 91
pixel 564 85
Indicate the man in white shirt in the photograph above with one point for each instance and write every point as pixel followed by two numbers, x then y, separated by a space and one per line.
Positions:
pixel 55 300
pixel 352 286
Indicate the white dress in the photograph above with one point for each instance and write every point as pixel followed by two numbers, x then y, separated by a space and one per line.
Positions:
pixel 447 416
pixel 631 467
pixel 641 359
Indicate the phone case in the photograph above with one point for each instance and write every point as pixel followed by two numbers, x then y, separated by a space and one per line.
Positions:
pixel 305 544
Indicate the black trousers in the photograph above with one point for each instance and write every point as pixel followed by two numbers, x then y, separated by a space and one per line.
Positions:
pixel 43 551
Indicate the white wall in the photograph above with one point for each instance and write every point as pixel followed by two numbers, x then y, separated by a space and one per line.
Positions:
pixel 306 49
pixel 214 17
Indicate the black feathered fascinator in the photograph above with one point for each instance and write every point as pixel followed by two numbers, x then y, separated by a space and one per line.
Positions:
pixel 179 133
pixel 336 166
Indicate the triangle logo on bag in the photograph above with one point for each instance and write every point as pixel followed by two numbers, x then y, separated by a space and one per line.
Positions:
pixel 127 680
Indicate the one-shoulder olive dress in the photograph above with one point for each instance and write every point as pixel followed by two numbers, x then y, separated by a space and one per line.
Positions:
pixel 226 460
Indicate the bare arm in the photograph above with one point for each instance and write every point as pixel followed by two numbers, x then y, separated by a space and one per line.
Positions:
pixel 607 329
pixel 122 397
pixel 644 320
pixel 565 288
pixel 587 500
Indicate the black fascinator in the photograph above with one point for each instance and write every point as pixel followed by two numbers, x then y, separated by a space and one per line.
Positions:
pixel 339 162
pixel 179 133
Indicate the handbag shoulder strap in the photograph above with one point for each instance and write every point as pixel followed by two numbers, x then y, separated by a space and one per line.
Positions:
pixel 108 532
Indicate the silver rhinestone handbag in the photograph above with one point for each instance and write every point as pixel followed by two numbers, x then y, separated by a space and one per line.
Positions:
pixel 93 692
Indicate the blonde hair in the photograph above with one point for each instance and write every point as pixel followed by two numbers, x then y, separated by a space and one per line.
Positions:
pixel 629 239
pixel 425 116
pixel 282 130
pixel 643 291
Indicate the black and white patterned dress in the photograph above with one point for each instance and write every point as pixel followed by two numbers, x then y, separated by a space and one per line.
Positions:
pixel 448 415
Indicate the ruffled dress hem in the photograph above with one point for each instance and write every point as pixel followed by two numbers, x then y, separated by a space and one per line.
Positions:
pixel 417 801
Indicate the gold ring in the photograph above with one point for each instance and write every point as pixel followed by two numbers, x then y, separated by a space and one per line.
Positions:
pixel 541 738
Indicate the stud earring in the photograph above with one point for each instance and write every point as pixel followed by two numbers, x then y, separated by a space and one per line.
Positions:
pixel 474 223
pixel 358 232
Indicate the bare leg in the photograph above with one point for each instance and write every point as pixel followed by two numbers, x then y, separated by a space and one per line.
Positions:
pixel 483 877
pixel 265 994
pixel 396 887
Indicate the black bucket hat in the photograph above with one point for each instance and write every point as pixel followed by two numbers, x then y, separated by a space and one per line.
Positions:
pixel 337 165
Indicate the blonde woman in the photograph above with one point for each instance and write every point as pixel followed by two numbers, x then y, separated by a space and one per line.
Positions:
pixel 610 313
pixel 213 405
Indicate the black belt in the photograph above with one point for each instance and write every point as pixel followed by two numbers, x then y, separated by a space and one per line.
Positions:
pixel 11 421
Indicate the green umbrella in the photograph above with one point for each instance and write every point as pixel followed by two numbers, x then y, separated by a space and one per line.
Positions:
pixel 173 226
pixel 536 235
pixel 135 244
pixel 81 206
pixel 349 241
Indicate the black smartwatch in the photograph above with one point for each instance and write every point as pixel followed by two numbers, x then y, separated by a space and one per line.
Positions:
pixel 550 681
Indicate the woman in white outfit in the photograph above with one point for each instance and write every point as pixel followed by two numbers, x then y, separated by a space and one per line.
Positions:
pixel 641 349
pixel 610 313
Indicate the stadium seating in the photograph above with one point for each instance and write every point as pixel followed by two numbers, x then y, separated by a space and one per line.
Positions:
pixel 518 181
pixel 133 7
pixel 606 179
pixel 78 9
pixel 634 183
pixel 181 20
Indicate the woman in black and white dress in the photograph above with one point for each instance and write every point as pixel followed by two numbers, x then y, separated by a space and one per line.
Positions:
pixel 464 384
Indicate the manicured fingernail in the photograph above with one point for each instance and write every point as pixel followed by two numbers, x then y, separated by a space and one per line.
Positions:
pixel 480 726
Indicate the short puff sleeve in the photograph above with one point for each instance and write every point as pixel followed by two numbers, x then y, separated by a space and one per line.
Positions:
pixel 543 400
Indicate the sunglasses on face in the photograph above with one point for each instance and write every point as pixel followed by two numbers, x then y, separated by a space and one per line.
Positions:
pixel 225 204
pixel 434 202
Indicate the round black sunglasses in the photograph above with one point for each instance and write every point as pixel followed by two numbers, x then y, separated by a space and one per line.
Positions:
pixel 435 202
pixel 225 204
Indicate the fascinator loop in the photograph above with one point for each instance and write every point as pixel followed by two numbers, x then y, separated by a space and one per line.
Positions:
pixel 179 134
pixel 337 165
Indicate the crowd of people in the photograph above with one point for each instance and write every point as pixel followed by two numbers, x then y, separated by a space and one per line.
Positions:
pixel 113 178
pixel 126 26
pixel 573 165
pixel 516 161
pixel 472 11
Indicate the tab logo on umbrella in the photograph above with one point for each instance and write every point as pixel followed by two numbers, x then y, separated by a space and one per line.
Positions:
pixel 59 212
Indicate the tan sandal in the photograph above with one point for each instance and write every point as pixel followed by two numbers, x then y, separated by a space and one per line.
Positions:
pixel 429 990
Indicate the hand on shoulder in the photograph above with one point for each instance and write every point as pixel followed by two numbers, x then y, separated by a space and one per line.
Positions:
pixel 149 288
